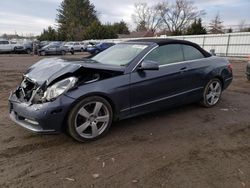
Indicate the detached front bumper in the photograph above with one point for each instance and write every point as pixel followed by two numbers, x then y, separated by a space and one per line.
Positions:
pixel 40 118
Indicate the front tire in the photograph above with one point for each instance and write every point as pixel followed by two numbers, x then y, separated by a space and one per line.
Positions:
pixel 90 119
pixel 42 53
pixel 212 93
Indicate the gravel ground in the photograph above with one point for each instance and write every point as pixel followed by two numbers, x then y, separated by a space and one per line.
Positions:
pixel 186 147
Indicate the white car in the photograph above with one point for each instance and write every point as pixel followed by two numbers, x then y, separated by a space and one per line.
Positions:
pixel 73 47
pixel 84 46
pixel 6 46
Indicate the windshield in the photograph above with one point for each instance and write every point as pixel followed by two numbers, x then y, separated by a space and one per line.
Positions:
pixel 69 43
pixel 120 54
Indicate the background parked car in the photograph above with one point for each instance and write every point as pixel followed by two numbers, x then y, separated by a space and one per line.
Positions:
pixel 6 46
pixel 43 43
pixel 52 49
pixel 99 47
pixel 23 48
pixel 248 71
pixel 73 47
pixel 84 46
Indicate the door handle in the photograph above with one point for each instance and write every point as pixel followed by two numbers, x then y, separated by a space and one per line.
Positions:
pixel 183 69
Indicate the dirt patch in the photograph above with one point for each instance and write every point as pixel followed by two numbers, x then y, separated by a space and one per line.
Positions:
pixel 186 147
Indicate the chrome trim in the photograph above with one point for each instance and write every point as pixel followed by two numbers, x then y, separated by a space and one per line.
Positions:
pixel 181 62
pixel 144 57
pixel 228 79
pixel 161 99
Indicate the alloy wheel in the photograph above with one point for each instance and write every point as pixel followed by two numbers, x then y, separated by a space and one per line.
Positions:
pixel 213 93
pixel 92 120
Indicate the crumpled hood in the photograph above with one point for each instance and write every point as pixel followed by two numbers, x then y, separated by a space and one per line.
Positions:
pixel 49 69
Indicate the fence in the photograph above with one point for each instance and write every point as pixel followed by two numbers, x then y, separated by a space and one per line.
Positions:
pixel 231 44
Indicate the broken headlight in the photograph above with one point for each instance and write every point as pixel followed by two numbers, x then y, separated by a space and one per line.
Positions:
pixel 59 88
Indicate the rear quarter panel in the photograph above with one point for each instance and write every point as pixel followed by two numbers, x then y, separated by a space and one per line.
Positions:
pixel 208 68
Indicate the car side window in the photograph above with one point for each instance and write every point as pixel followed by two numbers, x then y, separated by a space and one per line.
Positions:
pixel 4 42
pixel 167 54
pixel 191 53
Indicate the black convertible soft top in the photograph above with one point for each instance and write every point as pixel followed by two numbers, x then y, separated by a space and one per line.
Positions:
pixel 161 42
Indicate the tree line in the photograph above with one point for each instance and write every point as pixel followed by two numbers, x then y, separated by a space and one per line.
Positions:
pixel 78 20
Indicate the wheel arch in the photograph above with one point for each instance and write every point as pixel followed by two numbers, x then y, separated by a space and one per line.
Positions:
pixel 221 80
pixel 77 100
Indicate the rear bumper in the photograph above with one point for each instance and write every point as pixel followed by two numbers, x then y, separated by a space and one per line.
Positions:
pixel 40 118
pixel 248 69
pixel 227 82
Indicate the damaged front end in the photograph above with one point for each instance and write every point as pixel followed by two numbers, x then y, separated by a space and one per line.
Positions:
pixel 29 91
pixel 39 103
pixel 31 107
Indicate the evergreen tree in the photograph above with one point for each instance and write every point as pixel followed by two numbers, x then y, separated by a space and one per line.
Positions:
pixel 49 34
pixel 73 17
pixel 196 28
pixel 121 28
pixel 98 31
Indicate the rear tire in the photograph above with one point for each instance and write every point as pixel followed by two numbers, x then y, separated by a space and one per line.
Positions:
pixel 72 51
pixel 15 51
pixel 248 77
pixel 212 93
pixel 28 51
pixel 63 52
pixel 90 119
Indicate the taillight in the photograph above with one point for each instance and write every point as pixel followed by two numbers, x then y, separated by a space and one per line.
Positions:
pixel 230 67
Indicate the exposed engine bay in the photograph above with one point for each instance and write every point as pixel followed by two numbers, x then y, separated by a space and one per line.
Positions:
pixel 32 92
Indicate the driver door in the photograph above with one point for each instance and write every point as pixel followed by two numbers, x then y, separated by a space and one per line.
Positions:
pixel 154 89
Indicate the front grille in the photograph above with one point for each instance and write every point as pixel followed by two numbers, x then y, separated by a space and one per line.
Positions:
pixel 26 90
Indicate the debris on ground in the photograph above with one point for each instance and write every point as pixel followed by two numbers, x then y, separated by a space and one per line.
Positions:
pixel 96 175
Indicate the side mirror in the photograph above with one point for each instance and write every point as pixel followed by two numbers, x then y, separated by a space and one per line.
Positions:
pixel 149 65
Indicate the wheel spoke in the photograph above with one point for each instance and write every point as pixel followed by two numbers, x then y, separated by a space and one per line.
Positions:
pixel 83 112
pixel 213 100
pixel 209 96
pixel 102 118
pixel 98 107
pixel 216 86
pixel 211 87
pixel 94 130
pixel 217 94
pixel 83 127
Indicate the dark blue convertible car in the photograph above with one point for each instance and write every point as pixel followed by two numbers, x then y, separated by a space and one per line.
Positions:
pixel 85 96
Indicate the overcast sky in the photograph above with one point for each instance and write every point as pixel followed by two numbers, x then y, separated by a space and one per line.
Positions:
pixel 31 16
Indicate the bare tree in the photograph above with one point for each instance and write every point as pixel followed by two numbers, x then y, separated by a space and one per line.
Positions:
pixel 147 17
pixel 242 25
pixel 216 25
pixel 179 15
